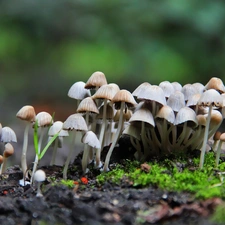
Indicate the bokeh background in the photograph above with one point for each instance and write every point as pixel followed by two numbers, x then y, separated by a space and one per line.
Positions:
pixel 46 46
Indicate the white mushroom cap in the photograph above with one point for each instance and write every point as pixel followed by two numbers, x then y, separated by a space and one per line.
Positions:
pixel 167 88
pixel 44 119
pixel 177 86
pixel 153 93
pixel 140 89
pixel 176 101
pixel 211 97
pixel 75 122
pixel 57 127
pixel 91 139
pixel 8 135
pixel 78 91
pixel 188 90
pixel 167 113
pixel 186 114
pixel 39 175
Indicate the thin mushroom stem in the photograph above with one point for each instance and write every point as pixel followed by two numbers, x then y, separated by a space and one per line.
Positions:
pixel 101 136
pixel 69 156
pixel 116 138
pixel 24 151
pixel 218 153
pixel 55 148
pixel 36 161
pixel 85 158
pixel 203 149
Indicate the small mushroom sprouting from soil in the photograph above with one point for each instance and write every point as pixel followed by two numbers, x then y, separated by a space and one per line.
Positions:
pixel 73 124
pixel 209 98
pixel 39 177
pixel 53 130
pixel 218 151
pixel 90 139
pixel 9 151
pixel 27 114
pixel 43 119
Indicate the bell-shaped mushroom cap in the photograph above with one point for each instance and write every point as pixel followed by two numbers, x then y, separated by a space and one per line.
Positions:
pixel 188 90
pixel 109 112
pixel 199 86
pixel 106 91
pixel 142 114
pixel 126 115
pixel 215 83
pixel 57 127
pixel 177 86
pixel 201 120
pixel 216 119
pixel 167 113
pixel 124 96
pixel 9 150
pixel 133 130
pixel 176 101
pixel 39 175
pixel 8 135
pixel 153 93
pixel 211 97
pixel 193 100
pixel 96 80
pixel 91 139
pixel 26 113
pixel 167 88
pixel 188 115
pixel 44 119
pixel 78 91
pixel 87 105
pixel 75 122
pixel 140 89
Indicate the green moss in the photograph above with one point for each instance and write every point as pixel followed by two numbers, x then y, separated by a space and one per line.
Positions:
pixel 68 183
pixel 203 183
pixel 219 216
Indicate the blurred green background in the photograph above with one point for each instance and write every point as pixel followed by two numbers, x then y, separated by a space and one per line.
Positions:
pixel 47 45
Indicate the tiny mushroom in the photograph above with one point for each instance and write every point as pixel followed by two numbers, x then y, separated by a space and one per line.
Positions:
pixel 27 114
pixel 9 151
pixel 39 177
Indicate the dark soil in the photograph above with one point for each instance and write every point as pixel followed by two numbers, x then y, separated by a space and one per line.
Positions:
pixel 94 204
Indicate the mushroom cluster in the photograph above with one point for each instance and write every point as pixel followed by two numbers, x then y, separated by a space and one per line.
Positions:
pixel 159 119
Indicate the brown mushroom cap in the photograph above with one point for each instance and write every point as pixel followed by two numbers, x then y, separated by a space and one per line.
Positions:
pixel 9 150
pixel 106 91
pixel 87 105
pixel 96 80
pixel 215 83
pixel 124 96
pixel 26 113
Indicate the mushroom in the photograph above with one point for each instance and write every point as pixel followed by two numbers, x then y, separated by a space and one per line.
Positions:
pixel 75 123
pixel 209 98
pixel 216 84
pixel 43 119
pixel 216 138
pixel 144 116
pixel 96 80
pixel 39 177
pixel 9 151
pixel 122 100
pixel 57 127
pixel 8 135
pixel 176 101
pixel 78 91
pixel 90 139
pixel 105 92
pixel 218 151
pixel 167 87
pixel 27 114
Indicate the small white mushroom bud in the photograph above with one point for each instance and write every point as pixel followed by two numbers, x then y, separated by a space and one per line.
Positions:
pixel 39 177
